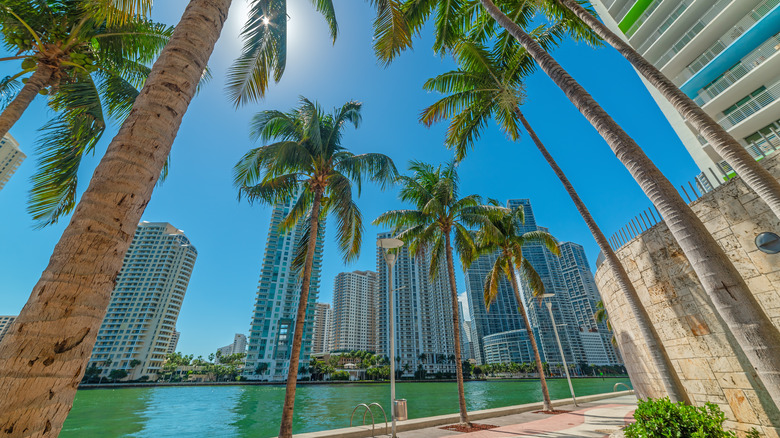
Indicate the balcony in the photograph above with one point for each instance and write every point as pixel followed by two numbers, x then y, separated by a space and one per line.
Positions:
pixel 746 64
pixel 750 106
pixel 666 24
pixel 725 41
pixel 706 18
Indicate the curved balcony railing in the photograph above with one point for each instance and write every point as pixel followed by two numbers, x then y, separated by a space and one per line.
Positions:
pixel 694 30
pixel 642 18
pixel 667 23
pixel 752 106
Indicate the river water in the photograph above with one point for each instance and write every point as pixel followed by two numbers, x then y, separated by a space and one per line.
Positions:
pixel 254 411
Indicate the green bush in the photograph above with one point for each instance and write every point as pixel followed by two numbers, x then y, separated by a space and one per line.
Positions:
pixel 340 375
pixel 661 418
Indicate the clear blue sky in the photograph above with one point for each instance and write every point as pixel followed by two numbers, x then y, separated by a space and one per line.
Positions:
pixel 230 237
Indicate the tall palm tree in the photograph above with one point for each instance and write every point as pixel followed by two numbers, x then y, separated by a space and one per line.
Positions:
pixel 308 162
pixel 501 235
pixel 439 220
pixel 756 176
pixel 52 338
pixel 721 281
pixel 90 69
pixel 490 85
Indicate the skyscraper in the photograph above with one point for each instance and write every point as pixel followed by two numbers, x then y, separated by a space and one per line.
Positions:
pixel 355 311
pixel 724 54
pixel 174 343
pixel 423 313
pixel 10 158
pixel 323 327
pixel 503 315
pixel 276 305
pixel 465 334
pixel 140 323
pixel 583 295
pixel 548 266
pixel 238 346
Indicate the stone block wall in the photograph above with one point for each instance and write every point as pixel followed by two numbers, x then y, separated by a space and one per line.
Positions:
pixel 704 354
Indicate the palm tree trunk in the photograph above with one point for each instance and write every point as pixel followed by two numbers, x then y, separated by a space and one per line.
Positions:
pixel 285 430
pixel 464 415
pixel 752 328
pixel 537 356
pixel 754 174
pixel 669 378
pixel 35 83
pixel 43 356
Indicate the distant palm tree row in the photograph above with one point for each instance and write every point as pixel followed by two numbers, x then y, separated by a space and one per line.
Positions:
pixel 497 44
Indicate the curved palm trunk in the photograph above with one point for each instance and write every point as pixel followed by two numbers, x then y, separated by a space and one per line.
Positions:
pixel 537 357
pixel 669 378
pixel 754 174
pixel 43 356
pixel 752 328
pixel 464 415
pixel 285 430
pixel 35 83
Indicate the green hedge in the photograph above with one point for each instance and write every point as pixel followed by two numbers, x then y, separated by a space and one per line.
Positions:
pixel 661 419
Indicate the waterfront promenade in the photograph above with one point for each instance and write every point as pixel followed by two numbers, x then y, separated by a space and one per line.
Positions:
pixel 596 416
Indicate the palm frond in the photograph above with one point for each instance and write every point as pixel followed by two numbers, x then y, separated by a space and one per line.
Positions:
pixel 532 278
pixel 349 220
pixel 392 33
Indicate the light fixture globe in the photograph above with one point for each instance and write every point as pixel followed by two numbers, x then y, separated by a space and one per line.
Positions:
pixel 389 243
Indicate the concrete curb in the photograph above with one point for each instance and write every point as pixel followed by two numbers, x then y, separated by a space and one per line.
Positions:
pixel 442 420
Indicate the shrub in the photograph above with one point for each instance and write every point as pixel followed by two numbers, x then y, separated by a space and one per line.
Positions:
pixel 340 375
pixel 661 418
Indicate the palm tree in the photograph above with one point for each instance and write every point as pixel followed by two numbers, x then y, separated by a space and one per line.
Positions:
pixel 756 176
pixel 501 235
pixel 490 85
pixel 91 72
pixel 89 254
pixel 308 162
pixel 601 316
pixel 439 215
pixel 721 281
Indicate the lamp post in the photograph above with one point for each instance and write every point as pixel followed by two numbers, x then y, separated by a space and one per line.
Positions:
pixel 560 347
pixel 388 244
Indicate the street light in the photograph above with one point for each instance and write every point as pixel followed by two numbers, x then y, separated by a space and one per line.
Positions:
pixel 560 348
pixel 388 244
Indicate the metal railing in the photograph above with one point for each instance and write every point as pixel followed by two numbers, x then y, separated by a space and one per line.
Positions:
pixel 369 411
pixel 753 17
pixel 694 30
pixel 650 217
pixel 745 66
pixel 752 106
pixel 667 23
pixel 622 14
pixel 642 18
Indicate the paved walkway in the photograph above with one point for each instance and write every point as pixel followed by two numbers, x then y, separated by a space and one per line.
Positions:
pixel 589 420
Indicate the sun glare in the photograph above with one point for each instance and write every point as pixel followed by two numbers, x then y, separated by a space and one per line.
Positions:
pixel 266 21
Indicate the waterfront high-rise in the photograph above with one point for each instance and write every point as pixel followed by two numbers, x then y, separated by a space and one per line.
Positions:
pixel 276 306
pixel 583 296
pixel 5 324
pixel 724 54
pixel 238 346
pixel 503 315
pixel 10 158
pixel 465 334
pixel 174 343
pixel 355 311
pixel 548 266
pixel 422 313
pixel 323 327
pixel 140 323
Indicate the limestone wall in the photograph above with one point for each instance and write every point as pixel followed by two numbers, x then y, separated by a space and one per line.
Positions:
pixel 705 356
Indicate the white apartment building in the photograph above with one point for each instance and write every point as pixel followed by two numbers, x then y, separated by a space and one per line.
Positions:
pixel 423 313
pixel 140 323
pixel 724 54
pixel 354 311
pixel 5 324
pixel 323 329
pixel 174 343
pixel 238 346
pixel 10 158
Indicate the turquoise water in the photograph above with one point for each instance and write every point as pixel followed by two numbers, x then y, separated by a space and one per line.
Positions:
pixel 254 411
